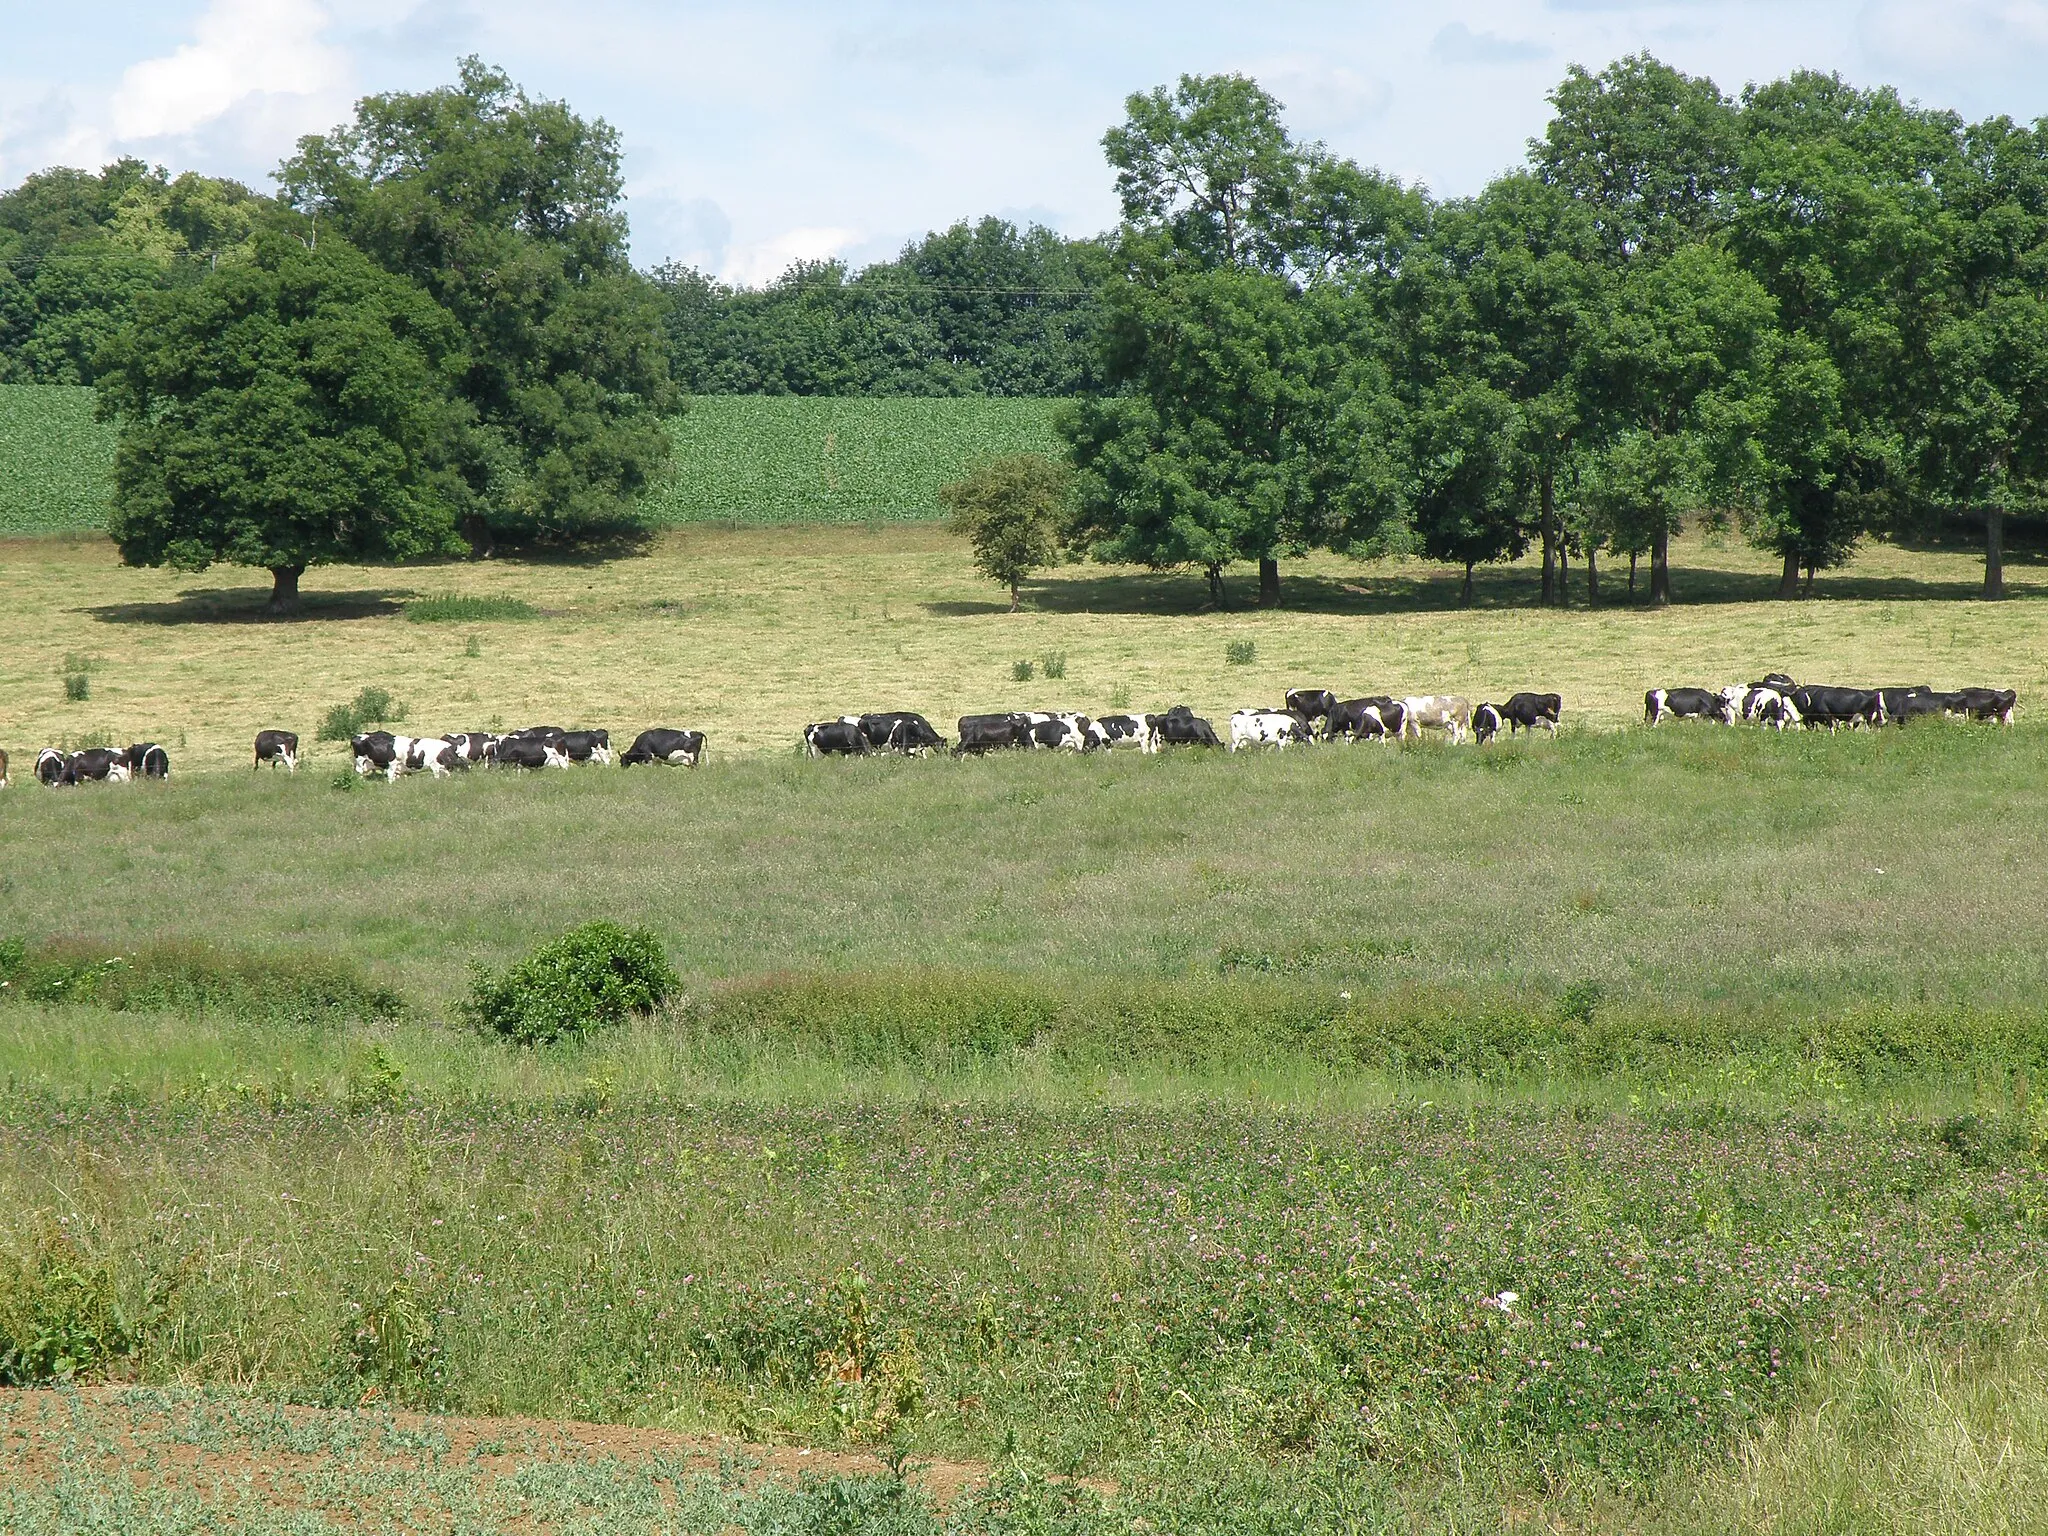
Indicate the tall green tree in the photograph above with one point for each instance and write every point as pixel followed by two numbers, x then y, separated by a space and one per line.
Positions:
pixel 292 410
pixel 507 210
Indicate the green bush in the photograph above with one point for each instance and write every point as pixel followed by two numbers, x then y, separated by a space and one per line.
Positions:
pixel 1022 671
pixel 372 706
pixel 77 687
pixel 61 1317
pixel 1241 653
pixel 1053 664
pixel 454 608
pixel 194 978
pixel 589 977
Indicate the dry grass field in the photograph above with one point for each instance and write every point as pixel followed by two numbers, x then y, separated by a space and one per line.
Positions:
pixel 750 633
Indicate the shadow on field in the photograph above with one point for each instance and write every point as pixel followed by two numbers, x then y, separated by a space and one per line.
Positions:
pixel 250 605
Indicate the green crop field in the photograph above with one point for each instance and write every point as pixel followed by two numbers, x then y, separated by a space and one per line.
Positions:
pixel 1641 1130
pixel 741 460
pixel 55 460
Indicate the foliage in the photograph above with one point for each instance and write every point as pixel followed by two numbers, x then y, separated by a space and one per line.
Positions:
pixel 507 211
pixel 289 411
pixel 1012 512
pixel 590 977
pixel 370 706
pixel 1240 653
pixel 62 1317
pixel 1023 670
pixel 461 608
pixel 77 687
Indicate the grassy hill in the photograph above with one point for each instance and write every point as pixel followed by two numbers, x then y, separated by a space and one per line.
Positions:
pixel 740 459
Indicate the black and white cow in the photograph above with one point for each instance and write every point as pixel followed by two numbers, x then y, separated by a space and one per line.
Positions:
pixel 587 746
pixel 1128 731
pixel 472 746
pixel 1903 704
pixel 147 760
pixel 1836 707
pixel 1485 723
pixel 527 752
pixel 3 767
pixel 97 765
pixel 1182 727
pixel 1312 704
pixel 274 747
pixel 899 730
pixel 551 734
pixel 1661 704
pixel 991 733
pixel 433 754
pixel 52 767
pixel 1063 733
pixel 1982 703
pixel 1267 727
pixel 1362 719
pixel 830 737
pixel 681 748
pixel 380 752
pixel 1526 711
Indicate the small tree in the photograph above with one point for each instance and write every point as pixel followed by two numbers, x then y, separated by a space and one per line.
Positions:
pixel 1010 510
pixel 288 411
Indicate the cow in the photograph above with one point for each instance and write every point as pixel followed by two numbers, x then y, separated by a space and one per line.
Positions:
pixel 3 767
pixel 550 734
pixel 147 760
pixel 1267 727
pixel 472 746
pixel 678 748
pixel 1485 723
pixel 102 765
pixel 1836 707
pixel 1312 704
pixel 274 747
pixel 1526 711
pixel 1446 711
pixel 1661 704
pixel 1982 703
pixel 1902 705
pixel 899 730
pixel 991 733
pixel 828 737
pixel 524 752
pixel 435 755
pixel 1065 733
pixel 1182 727
pixel 1128 731
pixel 52 767
pixel 380 752
pixel 1356 718
pixel 587 746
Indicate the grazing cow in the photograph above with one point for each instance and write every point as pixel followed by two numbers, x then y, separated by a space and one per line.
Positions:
pixel 551 734
pixel 147 760
pixel 1661 704
pixel 380 752
pixel 991 733
pixel 1267 727
pixel 472 746
pixel 274 747
pixel 435 755
pixel 52 767
pixel 587 746
pixel 682 748
pixel 527 752
pixel 1128 731
pixel 1311 703
pixel 1446 711
pixel 899 730
pixel 1982 703
pixel 99 764
pixel 3 767
pixel 1898 700
pixel 1366 718
pixel 1836 707
pixel 835 736
pixel 1526 711
pixel 1064 733
pixel 1485 723
pixel 1182 727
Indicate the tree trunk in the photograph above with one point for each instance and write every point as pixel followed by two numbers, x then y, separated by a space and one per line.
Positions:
pixel 1564 574
pixel 1269 582
pixel 1660 568
pixel 1465 592
pixel 1013 597
pixel 478 533
pixel 1809 579
pixel 1216 594
pixel 1592 576
pixel 1631 575
pixel 1552 554
pixel 1994 553
pixel 284 588
pixel 1788 579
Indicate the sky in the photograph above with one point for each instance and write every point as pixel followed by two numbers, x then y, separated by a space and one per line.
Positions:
pixel 761 132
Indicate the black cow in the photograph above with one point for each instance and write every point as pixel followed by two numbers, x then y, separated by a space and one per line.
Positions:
pixel 1356 718
pixel 899 730
pixel 1526 711
pixel 1485 723
pixel 52 768
pixel 551 734
pixel 991 733
pixel 828 737
pixel 1311 703
pixel 1982 703
pixel 1837 707
pixel 97 764
pixel 1182 727
pixel 147 760
pixel 274 747
pixel 1777 680
pixel 527 752
pixel 1901 702
pixel 1661 704
pixel 587 746
pixel 663 746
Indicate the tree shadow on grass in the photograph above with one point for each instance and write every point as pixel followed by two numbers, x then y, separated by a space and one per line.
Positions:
pixel 251 605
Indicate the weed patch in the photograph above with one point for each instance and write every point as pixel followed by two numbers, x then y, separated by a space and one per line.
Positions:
pixel 456 608
pixel 194 978
pixel 371 706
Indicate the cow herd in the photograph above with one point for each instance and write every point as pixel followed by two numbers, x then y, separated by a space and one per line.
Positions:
pixel 1306 715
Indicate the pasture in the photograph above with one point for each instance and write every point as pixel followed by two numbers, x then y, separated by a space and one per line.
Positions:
pixel 1639 1130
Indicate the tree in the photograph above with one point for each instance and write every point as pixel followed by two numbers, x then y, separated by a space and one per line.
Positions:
pixel 507 211
pixel 1011 511
pixel 1471 494
pixel 289 411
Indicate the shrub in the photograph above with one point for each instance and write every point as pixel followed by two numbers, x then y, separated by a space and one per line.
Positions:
pixel 77 687
pixel 61 1317
pixel 372 706
pixel 454 608
pixel 1022 671
pixel 589 977
pixel 1241 653
pixel 1120 696
pixel 1053 664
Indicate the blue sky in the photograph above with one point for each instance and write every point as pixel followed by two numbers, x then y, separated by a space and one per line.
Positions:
pixel 760 132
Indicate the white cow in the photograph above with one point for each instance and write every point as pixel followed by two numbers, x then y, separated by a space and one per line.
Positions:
pixel 1266 727
pixel 1446 711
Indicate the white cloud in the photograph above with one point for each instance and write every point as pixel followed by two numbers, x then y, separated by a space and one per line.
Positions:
pixel 1459 44
pixel 762 261
pixel 1959 37
pixel 263 60
pixel 1321 98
